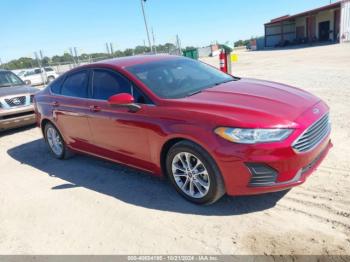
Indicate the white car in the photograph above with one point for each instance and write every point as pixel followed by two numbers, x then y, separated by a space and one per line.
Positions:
pixel 39 76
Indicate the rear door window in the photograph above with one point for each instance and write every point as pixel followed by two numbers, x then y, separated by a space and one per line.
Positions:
pixel 76 85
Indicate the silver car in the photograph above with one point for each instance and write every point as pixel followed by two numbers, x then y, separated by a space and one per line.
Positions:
pixel 16 101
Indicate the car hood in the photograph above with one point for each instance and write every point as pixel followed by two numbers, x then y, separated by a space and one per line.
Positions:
pixel 255 101
pixel 16 90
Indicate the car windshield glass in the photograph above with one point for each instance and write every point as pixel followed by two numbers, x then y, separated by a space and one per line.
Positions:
pixel 8 78
pixel 178 78
pixel 21 73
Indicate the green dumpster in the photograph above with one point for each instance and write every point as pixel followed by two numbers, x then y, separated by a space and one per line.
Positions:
pixel 191 53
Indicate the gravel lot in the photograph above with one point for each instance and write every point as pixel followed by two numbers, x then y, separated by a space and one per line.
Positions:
pixel 89 206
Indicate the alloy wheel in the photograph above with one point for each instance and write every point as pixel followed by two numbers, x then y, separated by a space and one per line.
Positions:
pixel 190 175
pixel 55 141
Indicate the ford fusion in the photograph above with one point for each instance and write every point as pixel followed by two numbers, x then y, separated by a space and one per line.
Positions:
pixel 208 132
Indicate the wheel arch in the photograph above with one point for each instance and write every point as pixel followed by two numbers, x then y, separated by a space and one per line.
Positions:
pixel 174 140
pixel 164 151
pixel 43 123
pixel 220 180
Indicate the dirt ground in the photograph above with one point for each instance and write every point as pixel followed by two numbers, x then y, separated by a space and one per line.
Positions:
pixel 88 206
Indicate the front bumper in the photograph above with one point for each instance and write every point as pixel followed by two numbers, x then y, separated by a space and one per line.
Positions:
pixel 276 161
pixel 237 176
pixel 17 117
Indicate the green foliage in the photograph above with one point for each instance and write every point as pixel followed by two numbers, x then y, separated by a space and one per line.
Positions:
pixel 141 49
pixel 23 62
pixel 128 52
pixel 66 58
pixel 245 42
pixel 242 43
pixel 189 48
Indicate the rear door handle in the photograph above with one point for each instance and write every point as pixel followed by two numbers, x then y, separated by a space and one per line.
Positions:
pixel 55 104
pixel 95 108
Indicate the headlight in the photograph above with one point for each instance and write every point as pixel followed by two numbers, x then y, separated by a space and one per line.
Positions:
pixel 252 136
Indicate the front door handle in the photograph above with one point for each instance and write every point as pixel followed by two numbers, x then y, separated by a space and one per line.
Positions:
pixel 95 108
pixel 55 104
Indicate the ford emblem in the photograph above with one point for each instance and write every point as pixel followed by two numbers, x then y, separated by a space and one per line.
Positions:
pixel 316 111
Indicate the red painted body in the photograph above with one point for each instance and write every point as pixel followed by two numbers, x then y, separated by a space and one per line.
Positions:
pixel 138 138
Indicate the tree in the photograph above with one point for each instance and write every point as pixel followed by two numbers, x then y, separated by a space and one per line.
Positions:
pixel 128 52
pixel 21 63
pixel 27 62
pixel 242 43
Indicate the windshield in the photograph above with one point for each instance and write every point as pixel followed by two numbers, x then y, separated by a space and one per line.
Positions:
pixel 8 78
pixel 178 78
pixel 21 73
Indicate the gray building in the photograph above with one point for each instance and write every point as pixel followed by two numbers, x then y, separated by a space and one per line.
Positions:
pixel 330 23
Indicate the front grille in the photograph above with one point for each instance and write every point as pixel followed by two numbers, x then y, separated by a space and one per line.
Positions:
pixel 261 175
pixel 16 101
pixel 313 135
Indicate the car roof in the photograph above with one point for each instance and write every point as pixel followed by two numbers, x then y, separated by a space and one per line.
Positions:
pixel 136 60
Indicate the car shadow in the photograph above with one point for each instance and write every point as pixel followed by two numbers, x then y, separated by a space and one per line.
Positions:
pixel 12 131
pixel 128 185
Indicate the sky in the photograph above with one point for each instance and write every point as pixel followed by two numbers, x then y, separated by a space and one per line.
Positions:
pixel 54 26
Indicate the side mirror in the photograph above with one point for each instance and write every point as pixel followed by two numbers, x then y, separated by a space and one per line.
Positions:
pixel 124 99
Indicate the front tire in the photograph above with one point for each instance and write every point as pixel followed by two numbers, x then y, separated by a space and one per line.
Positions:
pixel 55 142
pixel 194 173
pixel 50 79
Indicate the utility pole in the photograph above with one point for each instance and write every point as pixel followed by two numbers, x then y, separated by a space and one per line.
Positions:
pixel 111 49
pixel 37 59
pixel 178 43
pixel 0 63
pixel 107 48
pixel 146 26
pixel 40 66
pixel 41 54
pixel 72 54
pixel 43 69
pixel 154 42
pixel 76 55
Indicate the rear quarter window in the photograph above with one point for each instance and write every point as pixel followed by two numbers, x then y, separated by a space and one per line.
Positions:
pixel 75 84
pixel 55 86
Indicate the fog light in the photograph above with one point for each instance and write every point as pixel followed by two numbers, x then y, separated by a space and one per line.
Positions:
pixel 261 175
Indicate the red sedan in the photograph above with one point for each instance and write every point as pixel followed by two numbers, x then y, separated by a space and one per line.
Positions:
pixel 208 132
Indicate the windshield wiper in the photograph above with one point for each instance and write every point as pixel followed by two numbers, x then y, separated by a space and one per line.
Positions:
pixel 234 78
pixel 7 85
pixel 194 93
pixel 223 82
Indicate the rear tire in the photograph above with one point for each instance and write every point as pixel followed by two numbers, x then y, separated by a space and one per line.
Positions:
pixel 55 142
pixel 194 173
